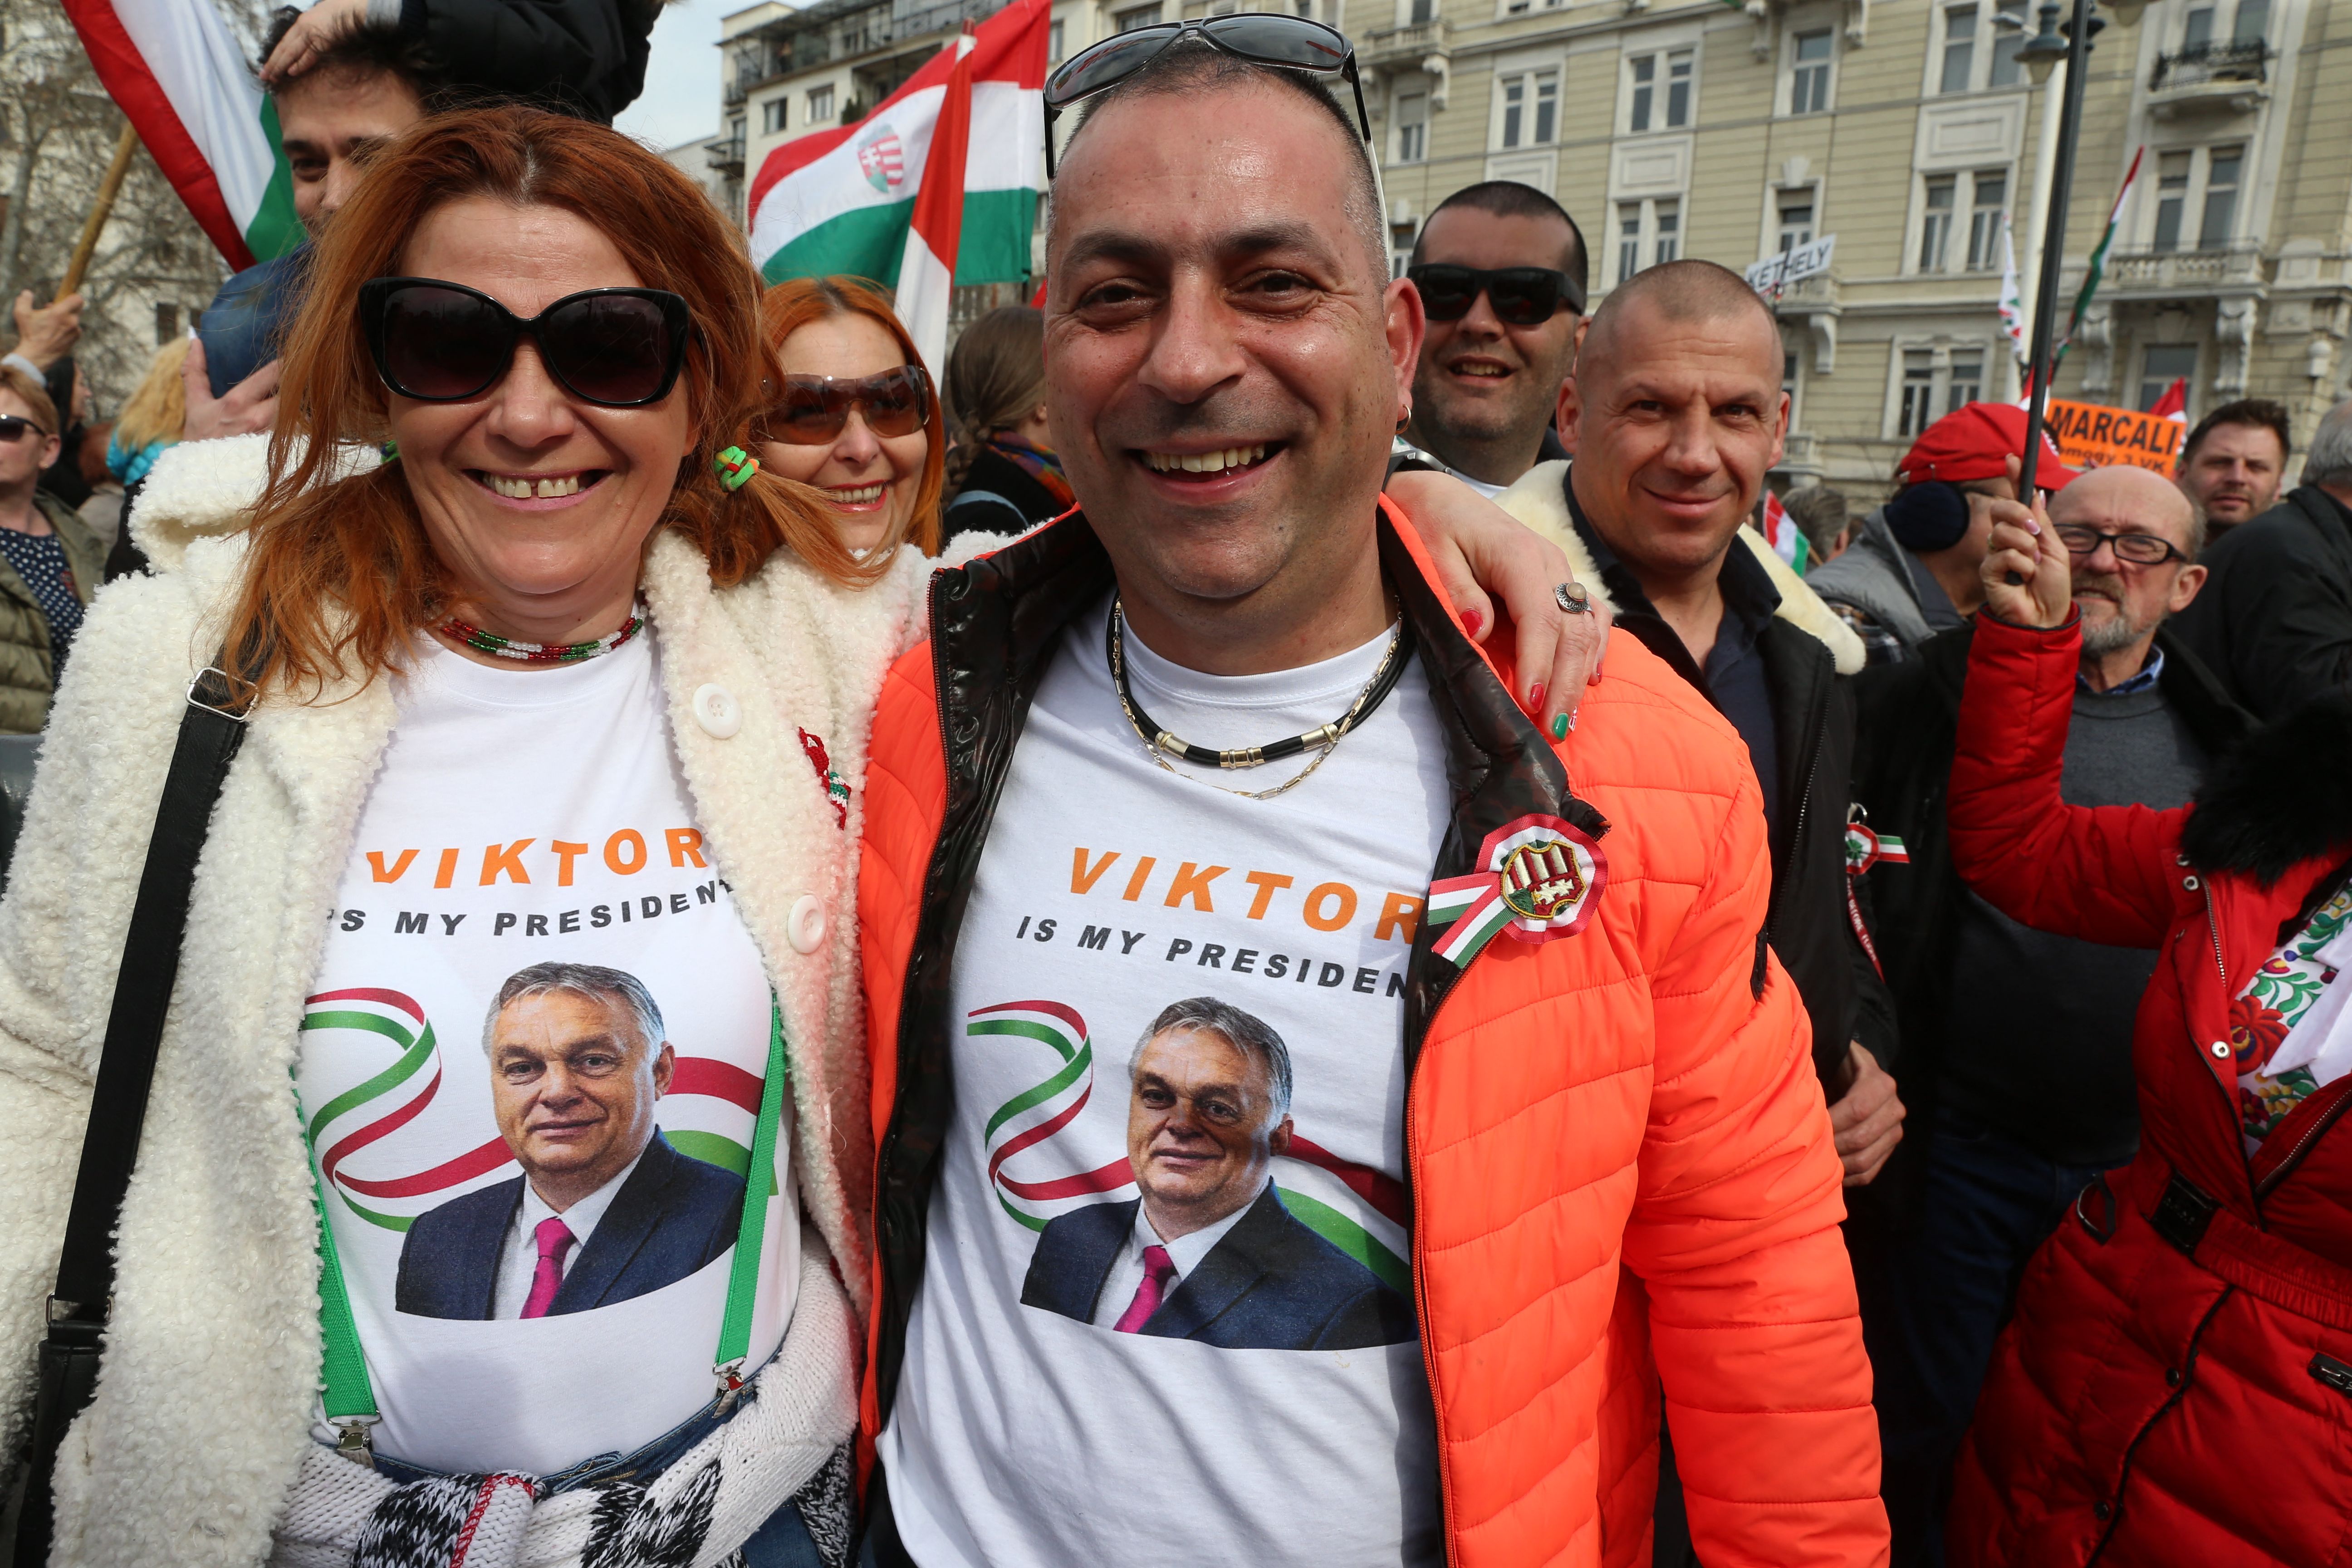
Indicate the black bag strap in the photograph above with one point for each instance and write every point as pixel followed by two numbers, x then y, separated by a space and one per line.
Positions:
pixel 211 731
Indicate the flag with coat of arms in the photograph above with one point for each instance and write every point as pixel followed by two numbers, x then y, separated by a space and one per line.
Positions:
pixel 937 187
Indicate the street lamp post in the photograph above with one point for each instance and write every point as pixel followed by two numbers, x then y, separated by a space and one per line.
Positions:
pixel 2048 51
pixel 2040 55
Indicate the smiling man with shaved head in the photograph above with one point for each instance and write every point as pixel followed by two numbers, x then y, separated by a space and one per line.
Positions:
pixel 2017 1044
pixel 1221 718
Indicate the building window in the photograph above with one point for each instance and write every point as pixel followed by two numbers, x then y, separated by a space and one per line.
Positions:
pixel 1530 108
pixel 1984 220
pixel 1935 222
pixel 771 116
pixel 1809 80
pixel 2253 22
pixel 2171 198
pixel 1796 220
pixel 1966 385
pixel 820 105
pixel 1659 219
pixel 1402 234
pixel 1134 16
pixel 1959 48
pixel 1917 410
pixel 1421 14
pixel 2222 168
pixel 2006 42
pixel 2197 30
pixel 1412 127
pixel 1648 110
pixel 1054 43
pixel 2162 364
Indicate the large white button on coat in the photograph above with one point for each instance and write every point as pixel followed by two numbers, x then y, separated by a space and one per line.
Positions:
pixel 804 927
pixel 715 710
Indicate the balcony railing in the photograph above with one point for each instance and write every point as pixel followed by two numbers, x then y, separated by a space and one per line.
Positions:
pixel 726 157
pixel 1407 45
pixel 2190 271
pixel 2202 63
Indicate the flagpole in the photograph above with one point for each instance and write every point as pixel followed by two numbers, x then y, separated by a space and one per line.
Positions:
pixel 99 210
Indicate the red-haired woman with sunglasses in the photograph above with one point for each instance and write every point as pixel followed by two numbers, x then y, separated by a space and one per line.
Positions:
pixel 520 945
pixel 858 415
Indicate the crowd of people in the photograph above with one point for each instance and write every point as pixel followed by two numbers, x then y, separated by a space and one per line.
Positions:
pixel 1253 921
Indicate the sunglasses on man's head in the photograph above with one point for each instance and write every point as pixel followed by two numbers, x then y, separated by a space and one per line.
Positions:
pixel 1521 296
pixel 812 410
pixel 437 342
pixel 1292 43
pixel 14 426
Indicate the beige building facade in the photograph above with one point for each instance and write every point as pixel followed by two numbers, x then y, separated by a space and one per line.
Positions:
pixel 1906 129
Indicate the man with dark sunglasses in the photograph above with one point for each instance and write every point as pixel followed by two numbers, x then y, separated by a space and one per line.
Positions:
pixel 1501 270
pixel 1219 733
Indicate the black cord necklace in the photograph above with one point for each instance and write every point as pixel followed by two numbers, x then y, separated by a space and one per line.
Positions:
pixel 1160 740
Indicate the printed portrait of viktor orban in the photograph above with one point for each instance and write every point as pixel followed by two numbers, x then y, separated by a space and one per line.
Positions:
pixel 605 1209
pixel 1206 1251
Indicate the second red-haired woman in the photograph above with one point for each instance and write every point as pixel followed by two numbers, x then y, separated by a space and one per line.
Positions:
pixel 858 415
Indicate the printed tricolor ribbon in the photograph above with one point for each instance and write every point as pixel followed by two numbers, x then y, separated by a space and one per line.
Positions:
pixel 1538 878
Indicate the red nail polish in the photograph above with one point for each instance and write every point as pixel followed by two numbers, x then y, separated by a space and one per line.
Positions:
pixel 1471 621
pixel 1534 697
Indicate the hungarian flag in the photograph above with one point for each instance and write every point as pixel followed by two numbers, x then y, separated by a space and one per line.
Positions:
pixel 1781 530
pixel 938 185
pixel 2098 267
pixel 2174 404
pixel 175 71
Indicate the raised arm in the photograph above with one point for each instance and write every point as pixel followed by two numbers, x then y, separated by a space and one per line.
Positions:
pixel 2102 874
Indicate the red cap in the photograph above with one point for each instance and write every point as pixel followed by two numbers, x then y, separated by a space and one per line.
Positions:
pixel 1975 442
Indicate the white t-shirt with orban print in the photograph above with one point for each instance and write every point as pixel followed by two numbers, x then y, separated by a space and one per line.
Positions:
pixel 1270 1403
pixel 524 817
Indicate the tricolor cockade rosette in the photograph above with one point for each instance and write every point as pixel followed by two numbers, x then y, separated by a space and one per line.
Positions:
pixel 1537 878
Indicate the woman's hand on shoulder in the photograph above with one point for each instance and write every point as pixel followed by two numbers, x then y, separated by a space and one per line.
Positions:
pixel 1484 554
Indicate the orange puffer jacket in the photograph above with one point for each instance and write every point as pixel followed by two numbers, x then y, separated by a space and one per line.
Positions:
pixel 1616 1142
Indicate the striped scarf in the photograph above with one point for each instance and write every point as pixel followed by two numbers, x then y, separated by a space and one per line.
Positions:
pixel 1038 462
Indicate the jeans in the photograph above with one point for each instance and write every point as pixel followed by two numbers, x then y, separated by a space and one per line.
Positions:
pixel 1934 1300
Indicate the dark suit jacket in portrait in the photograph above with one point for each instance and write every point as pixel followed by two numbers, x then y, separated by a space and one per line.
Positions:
pixel 1269 1284
pixel 674 1215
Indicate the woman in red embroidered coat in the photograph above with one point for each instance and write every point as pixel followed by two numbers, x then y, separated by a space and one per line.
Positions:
pixel 2177 1386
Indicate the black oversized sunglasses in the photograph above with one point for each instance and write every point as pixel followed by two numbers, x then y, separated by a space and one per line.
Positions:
pixel 1292 43
pixel 1522 296
pixel 438 341
pixel 14 426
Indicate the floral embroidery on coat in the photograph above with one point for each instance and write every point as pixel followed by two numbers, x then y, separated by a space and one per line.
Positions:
pixel 2279 995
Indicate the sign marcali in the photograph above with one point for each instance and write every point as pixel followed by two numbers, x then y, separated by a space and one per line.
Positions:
pixel 1795 265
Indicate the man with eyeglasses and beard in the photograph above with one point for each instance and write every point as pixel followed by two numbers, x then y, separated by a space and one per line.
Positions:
pixel 2019 1043
pixel 1544 1081
pixel 1501 270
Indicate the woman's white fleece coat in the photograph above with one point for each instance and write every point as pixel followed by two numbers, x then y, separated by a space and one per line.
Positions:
pixel 206 1394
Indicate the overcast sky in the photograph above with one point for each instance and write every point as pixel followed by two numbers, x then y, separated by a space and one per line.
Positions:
pixel 681 96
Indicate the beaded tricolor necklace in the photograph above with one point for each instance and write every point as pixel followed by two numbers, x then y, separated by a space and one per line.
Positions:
pixel 480 641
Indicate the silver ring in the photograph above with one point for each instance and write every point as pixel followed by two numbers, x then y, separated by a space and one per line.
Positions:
pixel 1571 597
